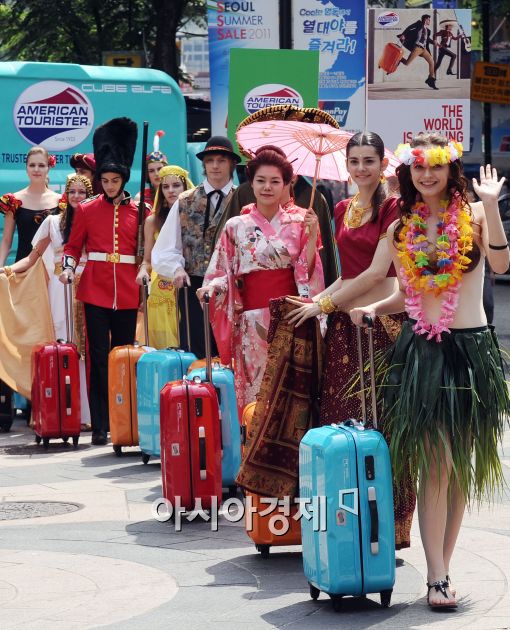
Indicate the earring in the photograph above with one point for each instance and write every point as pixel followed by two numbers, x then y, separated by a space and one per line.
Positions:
pixel 349 180
pixel 382 179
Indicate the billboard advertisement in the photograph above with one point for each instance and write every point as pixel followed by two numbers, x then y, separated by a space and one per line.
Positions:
pixel 336 29
pixel 419 73
pixel 252 24
pixel 276 77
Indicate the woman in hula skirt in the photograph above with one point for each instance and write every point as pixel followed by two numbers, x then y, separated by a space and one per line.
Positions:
pixel 443 386
pixel 368 275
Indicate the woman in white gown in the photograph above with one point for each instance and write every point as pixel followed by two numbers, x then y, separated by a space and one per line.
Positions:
pixel 48 243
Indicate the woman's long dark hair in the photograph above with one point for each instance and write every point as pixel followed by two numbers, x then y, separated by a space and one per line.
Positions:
pixel 370 139
pixel 457 183
pixel 67 212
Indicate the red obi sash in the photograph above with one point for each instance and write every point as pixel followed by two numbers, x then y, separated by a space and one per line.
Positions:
pixel 258 287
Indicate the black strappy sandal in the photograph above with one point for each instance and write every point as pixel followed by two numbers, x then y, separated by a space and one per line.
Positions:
pixel 449 580
pixel 440 586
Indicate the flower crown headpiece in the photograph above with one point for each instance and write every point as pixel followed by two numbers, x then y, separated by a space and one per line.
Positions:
pixel 429 156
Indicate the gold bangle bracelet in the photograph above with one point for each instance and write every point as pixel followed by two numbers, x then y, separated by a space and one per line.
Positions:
pixel 327 305
pixel 8 271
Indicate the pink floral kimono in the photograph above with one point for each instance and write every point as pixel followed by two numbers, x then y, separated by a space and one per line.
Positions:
pixel 240 309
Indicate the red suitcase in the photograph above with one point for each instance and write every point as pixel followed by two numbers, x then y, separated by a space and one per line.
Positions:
pixel 390 58
pixel 56 410
pixel 191 442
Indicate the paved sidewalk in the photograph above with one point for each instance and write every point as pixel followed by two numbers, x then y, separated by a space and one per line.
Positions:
pixel 103 561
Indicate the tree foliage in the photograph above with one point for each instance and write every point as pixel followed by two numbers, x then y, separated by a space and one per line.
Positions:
pixel 81 30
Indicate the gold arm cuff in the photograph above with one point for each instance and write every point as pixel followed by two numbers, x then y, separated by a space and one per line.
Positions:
pixel 327 305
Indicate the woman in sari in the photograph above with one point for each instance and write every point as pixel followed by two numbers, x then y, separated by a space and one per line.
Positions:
pixel 264 253
pixel 367 275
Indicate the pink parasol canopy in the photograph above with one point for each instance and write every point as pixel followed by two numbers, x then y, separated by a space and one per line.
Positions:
pixel 315 150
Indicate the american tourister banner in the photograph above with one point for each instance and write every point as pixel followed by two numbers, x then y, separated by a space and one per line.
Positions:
pixel 336 29
pixel 261 78
pixel 419 73
pixel 251 24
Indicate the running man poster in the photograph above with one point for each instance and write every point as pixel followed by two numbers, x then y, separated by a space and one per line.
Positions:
pixel 419 73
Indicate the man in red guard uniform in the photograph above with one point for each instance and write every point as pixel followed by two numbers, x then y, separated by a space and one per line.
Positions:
pixel 106 226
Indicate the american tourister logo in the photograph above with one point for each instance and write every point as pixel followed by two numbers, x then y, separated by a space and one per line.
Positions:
pixel 54 114
pixel 389 18
pixel 271 94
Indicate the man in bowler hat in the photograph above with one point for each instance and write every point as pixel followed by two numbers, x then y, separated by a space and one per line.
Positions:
pixel 186 242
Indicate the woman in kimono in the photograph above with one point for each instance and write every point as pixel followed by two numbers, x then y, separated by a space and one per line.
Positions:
pixel 264 253
pixel 161 306
pixel 52 234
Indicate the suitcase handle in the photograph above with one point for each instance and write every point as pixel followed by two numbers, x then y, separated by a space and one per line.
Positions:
pixel 68 395
pixel 68 303
pixel 202 453
pixel 207 336
pixel 185 288
pixel 370 327
pixel 374 520
pixel 145 296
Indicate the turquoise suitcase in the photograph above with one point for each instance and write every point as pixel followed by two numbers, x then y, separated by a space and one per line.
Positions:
pixel 153 371
pixel 348 531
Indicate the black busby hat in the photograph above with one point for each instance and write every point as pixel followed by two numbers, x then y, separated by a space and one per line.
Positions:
pixel 219 144
pixel 114 145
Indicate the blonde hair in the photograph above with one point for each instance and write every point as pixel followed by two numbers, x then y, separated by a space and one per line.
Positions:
pixel 38 149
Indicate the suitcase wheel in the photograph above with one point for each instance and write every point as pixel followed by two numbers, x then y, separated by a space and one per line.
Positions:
pixel 6 426
pixel 117 450
pixel 65 439
pixel 337 602
pixel 314 592
pixel 75 441
pixel 264 550
pixel 46 443
pixel 386 598
pixel 145 458
pixel 38 439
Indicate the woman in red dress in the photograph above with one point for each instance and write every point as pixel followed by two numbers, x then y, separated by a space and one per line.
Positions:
pixel 366 271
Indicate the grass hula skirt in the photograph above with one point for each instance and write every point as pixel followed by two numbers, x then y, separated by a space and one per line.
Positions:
pixel 449 397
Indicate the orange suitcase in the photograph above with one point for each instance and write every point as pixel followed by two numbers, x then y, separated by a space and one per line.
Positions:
pixel 390 58
pixel 122 396
pixel 264 530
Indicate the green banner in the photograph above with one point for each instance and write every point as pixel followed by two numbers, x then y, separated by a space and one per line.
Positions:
pixel 261 78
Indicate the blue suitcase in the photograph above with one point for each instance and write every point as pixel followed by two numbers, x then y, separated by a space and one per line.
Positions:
pixel 152 373
pixel 348 531
pixel 223 380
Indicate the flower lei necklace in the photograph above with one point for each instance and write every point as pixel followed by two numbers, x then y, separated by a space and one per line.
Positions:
pixel 454 242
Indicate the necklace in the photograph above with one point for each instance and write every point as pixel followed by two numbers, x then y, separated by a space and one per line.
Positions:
pixel 454 241
pixel 354 213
